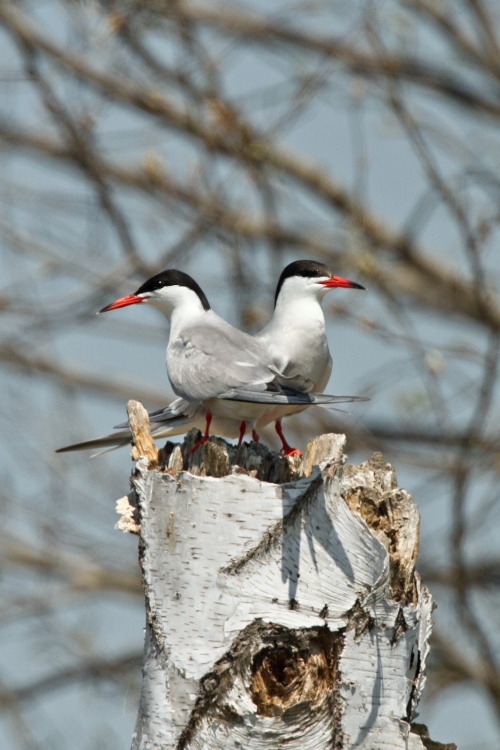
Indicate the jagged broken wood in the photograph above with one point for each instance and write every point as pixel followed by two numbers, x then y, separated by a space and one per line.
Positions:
pixel 283 607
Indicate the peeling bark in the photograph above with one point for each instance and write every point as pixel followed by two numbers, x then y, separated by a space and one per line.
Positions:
pixel 283 606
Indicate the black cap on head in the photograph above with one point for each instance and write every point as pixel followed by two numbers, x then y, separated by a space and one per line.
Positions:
pixel 174 278
pixel 306 268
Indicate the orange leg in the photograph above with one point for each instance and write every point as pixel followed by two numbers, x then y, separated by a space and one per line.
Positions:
pixel 287 449
pixel 243 427
pixel 204 439
pixel 255 437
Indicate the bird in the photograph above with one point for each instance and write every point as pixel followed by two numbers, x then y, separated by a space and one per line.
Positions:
pixel 224 378
pixel 295 337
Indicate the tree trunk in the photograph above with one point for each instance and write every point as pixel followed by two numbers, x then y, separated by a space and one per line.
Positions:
pixel 282 604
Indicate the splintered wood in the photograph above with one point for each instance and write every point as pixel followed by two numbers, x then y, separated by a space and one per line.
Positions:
pixel 283 607
pixel 142 443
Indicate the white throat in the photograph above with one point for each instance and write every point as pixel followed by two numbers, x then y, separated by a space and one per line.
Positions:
pixel 180 306
pixel 295 336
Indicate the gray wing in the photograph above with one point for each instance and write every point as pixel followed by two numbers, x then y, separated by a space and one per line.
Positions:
pixel 164 428
pixel 287 396
pixel 172 420
pixel 292 379
pixel 115 439
pixel 214 357
pixel 177 410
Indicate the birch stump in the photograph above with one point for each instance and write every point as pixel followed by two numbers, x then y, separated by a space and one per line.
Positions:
pixel 283 609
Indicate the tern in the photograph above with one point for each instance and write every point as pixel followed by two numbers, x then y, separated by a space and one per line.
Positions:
pixel 224 379
pixel 295 337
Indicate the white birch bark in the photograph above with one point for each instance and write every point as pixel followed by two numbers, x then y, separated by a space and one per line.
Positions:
pixel 280 614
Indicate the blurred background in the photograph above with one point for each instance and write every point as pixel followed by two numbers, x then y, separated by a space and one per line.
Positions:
pixel 227 139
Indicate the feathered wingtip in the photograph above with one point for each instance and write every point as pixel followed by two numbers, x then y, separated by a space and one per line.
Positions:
pixel 287 396
pixel 113 440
